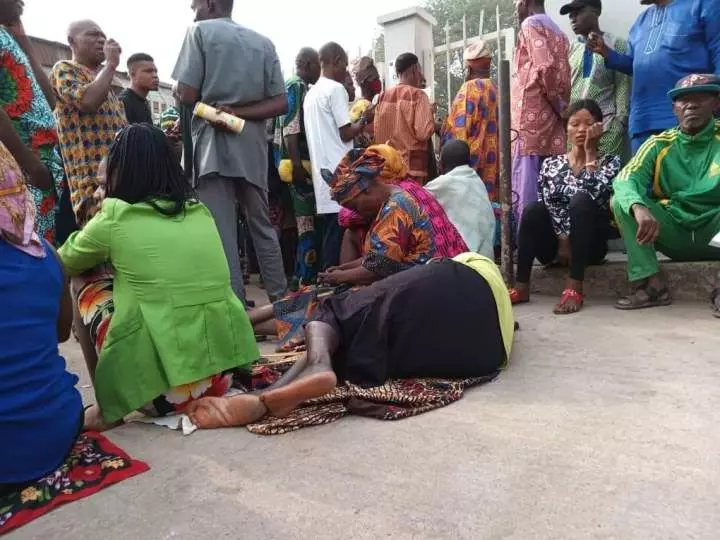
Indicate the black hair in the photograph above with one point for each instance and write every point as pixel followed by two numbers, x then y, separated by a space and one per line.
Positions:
pixel 454 154
pixel 305 56
pixel 404 62
pixel 330 52
pixel 588 105
pixel 139 57
pixel 143 167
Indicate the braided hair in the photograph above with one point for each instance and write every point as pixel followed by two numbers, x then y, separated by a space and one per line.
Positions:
pixel 142 167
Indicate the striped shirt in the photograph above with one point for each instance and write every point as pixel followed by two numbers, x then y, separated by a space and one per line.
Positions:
pixel 404 119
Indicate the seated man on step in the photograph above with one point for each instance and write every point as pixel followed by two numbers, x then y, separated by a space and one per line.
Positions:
pixel 668 196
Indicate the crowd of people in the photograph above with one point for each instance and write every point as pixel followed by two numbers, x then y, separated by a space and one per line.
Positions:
pixel 148 269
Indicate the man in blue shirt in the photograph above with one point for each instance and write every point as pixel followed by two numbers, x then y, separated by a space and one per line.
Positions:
pixel 669 40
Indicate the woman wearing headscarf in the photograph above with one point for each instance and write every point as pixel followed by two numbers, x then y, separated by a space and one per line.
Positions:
pixel 368 80
pixel 395 171
pixel 41 412
pixel 407 226
pixel 474 115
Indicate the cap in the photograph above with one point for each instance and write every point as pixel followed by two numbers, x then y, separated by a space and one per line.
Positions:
pixel 696 83
pixel 477 51
pixel 577 5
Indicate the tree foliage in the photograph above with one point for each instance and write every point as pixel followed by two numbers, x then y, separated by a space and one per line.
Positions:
pixel 451 12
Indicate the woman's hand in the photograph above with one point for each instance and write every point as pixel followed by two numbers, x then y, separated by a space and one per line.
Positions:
pixel 592 139
pixel 334 276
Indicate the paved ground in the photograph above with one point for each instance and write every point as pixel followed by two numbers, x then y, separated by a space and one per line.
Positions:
pixel 604 426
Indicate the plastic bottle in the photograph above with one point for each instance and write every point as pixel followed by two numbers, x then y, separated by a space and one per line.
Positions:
pixel 206 112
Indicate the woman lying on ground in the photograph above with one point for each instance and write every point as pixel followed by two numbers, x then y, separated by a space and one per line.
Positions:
pixel 570 223
pixel 448 319
pixel 407 226
pixel 177 329
pixel 41 412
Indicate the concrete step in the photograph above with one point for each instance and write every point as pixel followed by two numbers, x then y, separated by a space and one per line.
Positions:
pixel 687 281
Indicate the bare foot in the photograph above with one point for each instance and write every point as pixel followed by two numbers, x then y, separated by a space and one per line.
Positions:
pixel 217 412
pixel 94 420
pixel 282 401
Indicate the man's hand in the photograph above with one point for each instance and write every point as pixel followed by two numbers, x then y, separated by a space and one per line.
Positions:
pixel 648 226
pixel 369 114
pixel 596 44
pixel 112 53
pixel 299 174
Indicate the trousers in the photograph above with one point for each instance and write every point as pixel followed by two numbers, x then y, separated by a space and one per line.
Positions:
pixel 222 195
pixel 674 241
pixel 588 237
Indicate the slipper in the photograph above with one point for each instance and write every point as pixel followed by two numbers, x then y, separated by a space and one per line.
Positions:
pixel 645 297
pixel 567 295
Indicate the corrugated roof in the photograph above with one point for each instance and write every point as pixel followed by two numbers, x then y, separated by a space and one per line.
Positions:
pixel 50 53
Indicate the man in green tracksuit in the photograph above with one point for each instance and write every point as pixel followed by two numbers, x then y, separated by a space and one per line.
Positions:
pixel 668 196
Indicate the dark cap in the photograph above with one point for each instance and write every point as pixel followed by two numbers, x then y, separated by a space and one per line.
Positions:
pixel 577 5
pixel 695 84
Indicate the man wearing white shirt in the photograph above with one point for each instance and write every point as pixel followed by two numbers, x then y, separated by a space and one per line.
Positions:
pixel 330 136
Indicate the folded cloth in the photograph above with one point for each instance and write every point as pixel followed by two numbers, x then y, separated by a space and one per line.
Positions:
pixel 94 463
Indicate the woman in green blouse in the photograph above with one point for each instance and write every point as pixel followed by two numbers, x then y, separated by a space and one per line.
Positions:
pixel 177 329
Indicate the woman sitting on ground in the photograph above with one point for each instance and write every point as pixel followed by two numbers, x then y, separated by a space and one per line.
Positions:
pixel 41 412
pixel 177 330
pixel 570 223
pixel 448 319
pixel 407 225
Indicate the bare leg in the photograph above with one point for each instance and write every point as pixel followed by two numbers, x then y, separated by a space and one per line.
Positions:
pixel 83 335
pixel 312 376
pixel 261 314
pixel 315 380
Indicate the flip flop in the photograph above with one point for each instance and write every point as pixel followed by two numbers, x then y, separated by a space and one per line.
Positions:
pixel 567 295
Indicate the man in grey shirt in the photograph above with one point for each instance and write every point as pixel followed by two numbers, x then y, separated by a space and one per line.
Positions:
pixel 236 70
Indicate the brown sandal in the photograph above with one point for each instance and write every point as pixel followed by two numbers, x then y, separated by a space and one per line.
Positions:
pixel 645 296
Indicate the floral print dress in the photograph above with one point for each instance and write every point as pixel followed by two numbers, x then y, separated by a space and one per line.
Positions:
pixel 558 183
pixel 24 102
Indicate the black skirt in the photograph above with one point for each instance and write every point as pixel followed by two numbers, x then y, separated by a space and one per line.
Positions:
pixel 437 320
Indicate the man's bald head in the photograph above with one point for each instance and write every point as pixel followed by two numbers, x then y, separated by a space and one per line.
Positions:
pixel 87 40
pixel 454 154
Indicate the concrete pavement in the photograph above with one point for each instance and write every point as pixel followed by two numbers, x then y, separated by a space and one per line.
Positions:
pixel 604 426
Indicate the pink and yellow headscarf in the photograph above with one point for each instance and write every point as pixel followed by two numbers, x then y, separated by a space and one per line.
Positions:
pixel 17 211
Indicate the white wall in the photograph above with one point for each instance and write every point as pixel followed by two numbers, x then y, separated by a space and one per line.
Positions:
pixel 617 17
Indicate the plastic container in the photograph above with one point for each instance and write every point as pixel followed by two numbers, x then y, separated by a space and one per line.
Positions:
pixel 206 112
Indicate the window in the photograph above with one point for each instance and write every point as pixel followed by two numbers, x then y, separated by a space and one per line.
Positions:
pixel 156 107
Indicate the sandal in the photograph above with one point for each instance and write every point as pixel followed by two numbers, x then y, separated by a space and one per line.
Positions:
pixel 645 296
pixel 715 301
pixel 515 298
pixel 567 295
